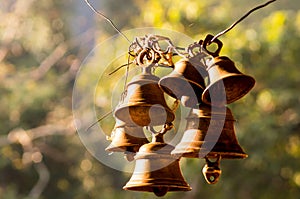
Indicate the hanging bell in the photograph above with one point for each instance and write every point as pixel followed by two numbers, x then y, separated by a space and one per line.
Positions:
pixel 211 171
pixel 185 83
pixel 226 83
pixel 144 103
pixel 127 139
pixel 156 170
pixel 209 134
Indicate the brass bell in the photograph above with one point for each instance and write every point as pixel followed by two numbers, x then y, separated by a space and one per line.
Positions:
pixel 211 171
pixel 209 134
pixel 127 139
pixel 156 170
pixel 144 103
pixel 185 83
pixel 227 83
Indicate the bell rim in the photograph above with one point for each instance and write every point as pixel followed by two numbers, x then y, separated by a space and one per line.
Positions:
pixel 232 75
pixel 122 148
pixel 206 93
pixel 224 155
pixel 130 104
pixel 228 155
pixel 146 185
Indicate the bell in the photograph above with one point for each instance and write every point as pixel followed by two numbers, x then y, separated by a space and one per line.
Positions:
pixel 194 99
pixel 211 171
pixel 227 83
pixel 127 139
pixel 185 83
pixel 144 103
pixel 209 134
pixel 156 170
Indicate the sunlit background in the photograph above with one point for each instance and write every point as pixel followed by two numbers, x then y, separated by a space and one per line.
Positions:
pixel 43 44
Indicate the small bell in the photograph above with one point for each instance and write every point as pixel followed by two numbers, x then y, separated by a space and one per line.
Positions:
pixel 209 132
pixel 127 139
pixel 156 170
pixel 144 103
pixel 185 83
pixel 211 171
pixel 227 83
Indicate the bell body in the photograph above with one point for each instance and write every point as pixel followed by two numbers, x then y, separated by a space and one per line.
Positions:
pixel 185 83
pixel 126 138
pixel 156 171
pixel 226 83
pixel 193 99
pixel 144 103
pixel 203 138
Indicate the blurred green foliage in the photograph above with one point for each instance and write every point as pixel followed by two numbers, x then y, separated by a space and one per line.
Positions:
pixel 42 46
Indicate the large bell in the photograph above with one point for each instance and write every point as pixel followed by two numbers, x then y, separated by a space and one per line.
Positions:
pixel 185 83
pixel 127 139
pixel 220 141
pixel 227 83
pixel 144 103
pixel 156 170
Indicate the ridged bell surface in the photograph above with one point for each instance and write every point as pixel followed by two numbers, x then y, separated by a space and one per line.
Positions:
pixel 156 171
pixel 144 103
pixel 221 139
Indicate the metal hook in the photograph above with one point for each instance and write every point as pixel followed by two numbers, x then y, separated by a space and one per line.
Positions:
pixel 208 41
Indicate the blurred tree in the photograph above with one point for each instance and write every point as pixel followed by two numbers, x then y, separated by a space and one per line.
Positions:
pixel 42 46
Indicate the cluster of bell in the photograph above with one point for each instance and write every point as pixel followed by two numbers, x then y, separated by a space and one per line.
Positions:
pixel 209 131
pixel 144 105
pixel 210 134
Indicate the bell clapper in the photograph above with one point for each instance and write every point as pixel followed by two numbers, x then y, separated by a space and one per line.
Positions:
pixel 157 136
pixel 212 171
pixel 129 156
pixel 160 191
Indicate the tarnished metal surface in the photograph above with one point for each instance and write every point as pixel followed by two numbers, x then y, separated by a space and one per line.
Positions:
pixel 156 170
pixel 226 83
pixel 198 123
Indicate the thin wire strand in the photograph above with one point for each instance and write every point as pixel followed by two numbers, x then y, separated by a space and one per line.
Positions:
pixel 241 19
pixel 101 118
pixel 126 79
pixel 119 68
pixel 107 19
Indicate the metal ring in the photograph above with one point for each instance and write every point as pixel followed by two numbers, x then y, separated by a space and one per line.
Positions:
pixel 207 42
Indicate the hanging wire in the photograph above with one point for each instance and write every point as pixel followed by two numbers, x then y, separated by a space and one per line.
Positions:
pixel 126 79
pixel 151 41
pixel 101 118
pixel 241 19
pixel 114 71
pixel 106 18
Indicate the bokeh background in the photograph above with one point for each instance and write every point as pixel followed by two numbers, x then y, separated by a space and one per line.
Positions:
pixel 42 46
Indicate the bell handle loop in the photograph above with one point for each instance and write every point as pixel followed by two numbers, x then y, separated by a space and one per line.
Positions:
pixel 157 136
pixel 208 41
pixel 217 162
pixel 142 54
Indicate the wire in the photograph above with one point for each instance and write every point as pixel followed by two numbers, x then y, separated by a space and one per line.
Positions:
pixel 119 68
pixel 103 117
pixel 241 19
pixel 107 19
